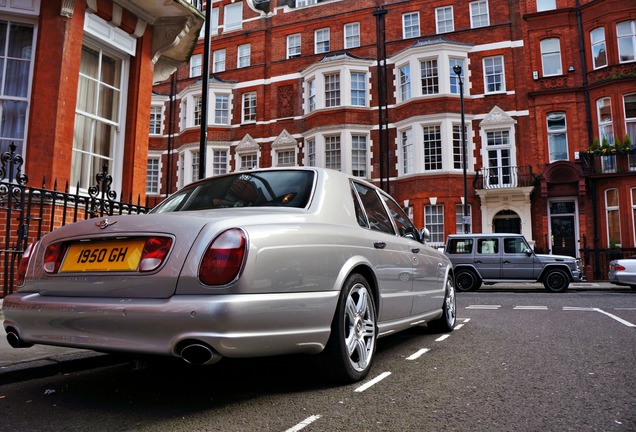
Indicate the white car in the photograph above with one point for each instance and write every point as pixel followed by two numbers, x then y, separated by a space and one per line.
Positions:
pixel 623 272
pixel 254 263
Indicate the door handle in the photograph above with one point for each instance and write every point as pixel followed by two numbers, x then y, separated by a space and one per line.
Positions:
pixel 506 262
pixel 477 262
pixel 415 250
pixel 379 245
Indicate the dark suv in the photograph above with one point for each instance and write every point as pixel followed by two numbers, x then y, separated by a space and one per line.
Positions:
pixel 491 258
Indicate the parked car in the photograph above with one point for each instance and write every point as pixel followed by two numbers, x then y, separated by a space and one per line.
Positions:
pixel 492 258
pixel 623 272
pixel 254 263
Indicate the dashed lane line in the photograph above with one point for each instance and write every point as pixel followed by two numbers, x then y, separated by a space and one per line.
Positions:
pixel 587 309
pixel 373 382
pixel 303 424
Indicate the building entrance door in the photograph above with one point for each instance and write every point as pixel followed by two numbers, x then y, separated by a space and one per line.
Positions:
pixel 563 228
pixel 507 221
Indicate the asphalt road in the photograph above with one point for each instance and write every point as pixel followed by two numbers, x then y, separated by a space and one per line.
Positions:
pixel 518 361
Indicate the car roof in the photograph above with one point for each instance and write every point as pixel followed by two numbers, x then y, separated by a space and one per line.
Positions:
pixel 483 235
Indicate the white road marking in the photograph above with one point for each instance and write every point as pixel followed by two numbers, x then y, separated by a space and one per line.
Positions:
pixel 620 320
pixel 466 320
pixel 372 382
pixel 418 354
pixel 303 424
pixel 442 337
pixel 458 326
pixel 483 307
pixel 530 308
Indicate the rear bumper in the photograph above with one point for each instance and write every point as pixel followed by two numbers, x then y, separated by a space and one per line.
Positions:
pixel 233 325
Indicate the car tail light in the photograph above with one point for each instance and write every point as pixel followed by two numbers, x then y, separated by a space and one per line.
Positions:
pixel 224 258
pixel 618 267
pixel 24 263
pixel 53 256
pixel 155 251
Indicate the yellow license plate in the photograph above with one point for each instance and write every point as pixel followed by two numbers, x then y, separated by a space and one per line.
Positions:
pixel 103 256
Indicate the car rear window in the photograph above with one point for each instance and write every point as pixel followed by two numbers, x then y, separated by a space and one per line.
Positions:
pixel 460 246
pixel 251 189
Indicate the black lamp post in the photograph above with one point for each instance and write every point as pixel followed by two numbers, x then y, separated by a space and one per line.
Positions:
pixel 465 220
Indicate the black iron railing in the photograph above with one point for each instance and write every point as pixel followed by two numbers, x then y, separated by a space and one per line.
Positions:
pixel 27 213
pixel 504 177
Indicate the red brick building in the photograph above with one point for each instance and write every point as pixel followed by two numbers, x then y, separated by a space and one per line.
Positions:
pixel 543 81
pixel 76 81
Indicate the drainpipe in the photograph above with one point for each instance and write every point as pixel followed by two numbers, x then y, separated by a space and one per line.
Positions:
pixel 588 123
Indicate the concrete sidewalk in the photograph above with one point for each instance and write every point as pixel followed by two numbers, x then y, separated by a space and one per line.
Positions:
pixel 42 360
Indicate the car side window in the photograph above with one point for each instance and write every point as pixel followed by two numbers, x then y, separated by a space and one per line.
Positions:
pixel 402 222
pixel 514 246
pixel 487 246
pixel 460 246
pixel 360 216
pixel 379 219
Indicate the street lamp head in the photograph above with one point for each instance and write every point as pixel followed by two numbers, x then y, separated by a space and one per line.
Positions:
pixel 457 69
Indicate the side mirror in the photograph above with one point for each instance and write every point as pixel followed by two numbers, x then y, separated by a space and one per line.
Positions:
pixel 425 234
pixel 528 252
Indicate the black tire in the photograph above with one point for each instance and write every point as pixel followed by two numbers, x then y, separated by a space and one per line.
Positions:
pixel 446 323
pixel 354 331
pixel 467 280
pixel 556 281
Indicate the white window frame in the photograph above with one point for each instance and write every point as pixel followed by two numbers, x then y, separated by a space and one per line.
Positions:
pixel 359 155
pixel 407 151
pixel 15 121
pixel 352 35
pixel 219 160
pixel 153 175
pixel 294 46
pixel 112 45
pixel 220 111
pixel 356 100
pixel 214 22
pixel 322 42
pixel 409 28
pixel 551 51
pixel 444 20
pixel 613 209
pixel 243 55
pixel 404 80
pixel 429 76
pixel 433 149
pixel 329 84
pixel 502 74
pixel 188 166
pixel 218 62
pixel 597 42
pixel 156 120
pixel 554 132
pixel 434 222
pixel 285 157
pixel 246 158
pixel 196 65
pixel 479 14
pixel 232 16
pixel 605 123
pixel 248 107
pixel 626 39
pixel 197 105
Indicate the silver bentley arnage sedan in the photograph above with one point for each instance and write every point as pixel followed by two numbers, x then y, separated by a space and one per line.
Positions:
pixel 252 263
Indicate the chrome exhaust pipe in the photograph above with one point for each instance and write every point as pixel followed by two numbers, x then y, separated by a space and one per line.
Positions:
pixel 199 354
pixel 14 340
